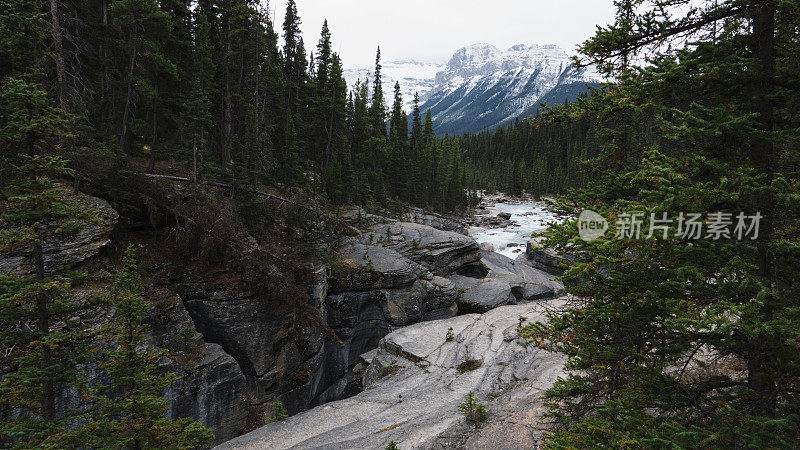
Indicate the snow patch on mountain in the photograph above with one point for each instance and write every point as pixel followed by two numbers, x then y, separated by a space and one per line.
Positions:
pixel 414 76
pixel 482 86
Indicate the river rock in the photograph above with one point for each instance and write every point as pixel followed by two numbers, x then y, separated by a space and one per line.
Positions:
pixel 441 252
pixel 504 215
pixel 415 403
pixel 434 220
pixel 506 282
pixel 546 259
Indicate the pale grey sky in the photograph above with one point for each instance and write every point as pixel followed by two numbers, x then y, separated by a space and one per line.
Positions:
pixel 431 30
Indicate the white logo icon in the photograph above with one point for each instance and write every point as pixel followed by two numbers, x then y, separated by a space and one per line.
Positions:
pixel 591 225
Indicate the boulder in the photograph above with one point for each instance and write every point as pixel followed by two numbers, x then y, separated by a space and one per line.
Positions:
pixel 434 220
pixel 481 295
pixel 506 282
pixel 531 283
pixel 64 250
pixel 546 259
pixel 441 252
pixel 405 290
pixel 367 266
pixel 416 380
pixel 504 215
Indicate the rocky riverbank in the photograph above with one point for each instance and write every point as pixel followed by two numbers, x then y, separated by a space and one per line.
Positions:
pixel 235 352
pixel 430 317
pixel 416 378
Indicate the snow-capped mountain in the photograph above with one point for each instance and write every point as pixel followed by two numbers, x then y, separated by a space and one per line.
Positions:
pixel 414 76
pixel 482 87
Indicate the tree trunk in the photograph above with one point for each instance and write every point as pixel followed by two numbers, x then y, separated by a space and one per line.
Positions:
pixel 194 161
pixel 103 54
pixel 763 156
pixel 151 164
pixel 128 98
pixel 58 54
pixel 328 144
pixel 227 125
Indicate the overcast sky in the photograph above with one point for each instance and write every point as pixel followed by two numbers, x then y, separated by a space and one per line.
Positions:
pixel 431 30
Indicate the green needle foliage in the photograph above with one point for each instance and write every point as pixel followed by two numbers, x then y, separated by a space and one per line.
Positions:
pixel 473 410
pixel 277 413
pixel 39 359
pixel 676 342
pixel 43 360
pixel 131 410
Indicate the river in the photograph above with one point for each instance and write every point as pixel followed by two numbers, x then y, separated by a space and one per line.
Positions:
pixel 527 217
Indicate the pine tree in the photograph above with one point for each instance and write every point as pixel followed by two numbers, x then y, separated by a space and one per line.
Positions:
pixel 472 409
pixel 135 418
pixel 398 136
pixel 35 207
pixel 44 359
pixel 142 26
pixel 198 118
pixel 416 176
pixel 653 312
pixel 324 57
pixel 428 159
pixel 294 57
pixel 377 109
pixel 337 161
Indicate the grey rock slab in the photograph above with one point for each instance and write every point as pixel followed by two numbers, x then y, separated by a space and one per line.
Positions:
pixel 441 252
pixel 435 220
pixel 65 250
pixel 417 406
pixel 420 341
pixel 482 295
pixel 530 283
pixel 391 269
pixel 506 282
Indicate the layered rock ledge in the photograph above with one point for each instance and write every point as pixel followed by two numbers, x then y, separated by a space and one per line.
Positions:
pixel 415 380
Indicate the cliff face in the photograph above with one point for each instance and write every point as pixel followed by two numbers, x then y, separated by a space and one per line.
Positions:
pixel 417 378
pixel 236 351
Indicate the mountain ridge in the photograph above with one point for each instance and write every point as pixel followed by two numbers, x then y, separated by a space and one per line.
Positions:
pixel 484 87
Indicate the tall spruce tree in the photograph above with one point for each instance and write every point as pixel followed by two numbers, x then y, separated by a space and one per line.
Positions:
pixel 35 209
pixel 131 412
pixel 428 159
pixel 142 28
pixel 43 358
pixel 398 136
pixel 679 342
pixel 378 107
